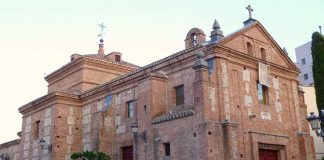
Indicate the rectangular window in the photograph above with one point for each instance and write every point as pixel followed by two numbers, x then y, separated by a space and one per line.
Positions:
pixel 210 63
pixel 130 109
pixel 37 129
pixel 179 90
pixel 117 58
pixel 303 61
pixel 167 148
pixel 305 76
pixel 262 93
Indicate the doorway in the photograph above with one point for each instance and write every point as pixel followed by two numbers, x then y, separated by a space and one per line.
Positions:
pixel 127 153
pixel 268 154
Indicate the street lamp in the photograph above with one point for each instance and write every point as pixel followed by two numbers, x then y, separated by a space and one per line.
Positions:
pixel 142 135
pixel 315 123
pixel 45 146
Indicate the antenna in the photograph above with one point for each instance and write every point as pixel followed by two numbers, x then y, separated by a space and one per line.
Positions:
pixel 320 29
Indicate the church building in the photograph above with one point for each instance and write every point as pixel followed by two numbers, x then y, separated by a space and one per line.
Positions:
pixel 232 97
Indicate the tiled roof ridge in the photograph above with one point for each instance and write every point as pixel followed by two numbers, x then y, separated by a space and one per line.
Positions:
pixel 10 143
pixel 71 63
pixel 147 66
pixel 172 116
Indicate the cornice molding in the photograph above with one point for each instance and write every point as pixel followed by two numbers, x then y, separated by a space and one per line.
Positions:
pixel 251 61
pixel 49 100
pixel 87 61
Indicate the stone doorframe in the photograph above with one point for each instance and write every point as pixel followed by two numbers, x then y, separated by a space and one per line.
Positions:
pixel 269 141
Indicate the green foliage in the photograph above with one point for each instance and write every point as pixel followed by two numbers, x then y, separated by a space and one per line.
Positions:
pixel 76 156
pixel 90 155
pixel 318 68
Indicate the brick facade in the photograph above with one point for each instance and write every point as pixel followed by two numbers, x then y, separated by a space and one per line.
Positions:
pixel 221 117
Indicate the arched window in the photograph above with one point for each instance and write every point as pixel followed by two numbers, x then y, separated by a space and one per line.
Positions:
pixel 263 54
pixel 249 49
pixel 194 39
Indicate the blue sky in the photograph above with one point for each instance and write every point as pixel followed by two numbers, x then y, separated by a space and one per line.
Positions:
pixel 38 36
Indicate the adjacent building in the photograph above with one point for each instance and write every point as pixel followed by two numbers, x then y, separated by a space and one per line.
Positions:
pixel 310 101
pixel 305 64
pixel 228 97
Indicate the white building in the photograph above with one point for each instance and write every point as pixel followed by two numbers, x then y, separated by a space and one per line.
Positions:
pixel 305 62
pixel 310 101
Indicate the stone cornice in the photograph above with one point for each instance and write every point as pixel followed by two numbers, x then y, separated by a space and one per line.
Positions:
pixel 86 60
pixel 268 134
pixel 50 99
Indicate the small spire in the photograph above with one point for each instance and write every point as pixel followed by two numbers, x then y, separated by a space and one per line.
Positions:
pixel 284 49
pixel 216 25
pixel 216 34
pixel 200 62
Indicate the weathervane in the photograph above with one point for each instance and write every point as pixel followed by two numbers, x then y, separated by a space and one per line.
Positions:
pixel 102 26
pixel 250 9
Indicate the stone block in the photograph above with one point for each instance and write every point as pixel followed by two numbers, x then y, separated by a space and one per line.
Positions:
pixel 265 115
pixel 69 139
pixel 28 120
pixel 25 154
pixel 86 119
pixel 47 131
pixel 246 75
pixel 86 110
pixel 107 122
pixel 35 152
pixel 70 120
pixel 86 128
pixel 27 128
pixel 26 145
pixel 121 129
pixel 48 121
pixel 212 98
pixel 27 137
pixel 118 121
pixel 48 112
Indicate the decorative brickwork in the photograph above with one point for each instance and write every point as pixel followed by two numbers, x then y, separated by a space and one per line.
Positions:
pixel 219 115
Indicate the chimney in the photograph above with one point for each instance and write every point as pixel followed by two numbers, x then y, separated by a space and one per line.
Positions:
pixel 101 47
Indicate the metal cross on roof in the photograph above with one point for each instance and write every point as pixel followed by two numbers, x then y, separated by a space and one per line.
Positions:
pixel 102 26
pixel 250 9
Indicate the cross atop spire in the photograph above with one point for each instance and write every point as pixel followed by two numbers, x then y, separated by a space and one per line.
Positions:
pixel 102 26
pixel 101 45
pixel 250 9
pixel 216 25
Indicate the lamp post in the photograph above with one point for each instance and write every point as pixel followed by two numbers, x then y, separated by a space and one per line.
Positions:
pixel 315 123
pixel 137 135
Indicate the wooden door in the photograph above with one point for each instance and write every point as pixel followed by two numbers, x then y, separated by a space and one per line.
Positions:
pixel 128 153
pixel 267 154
